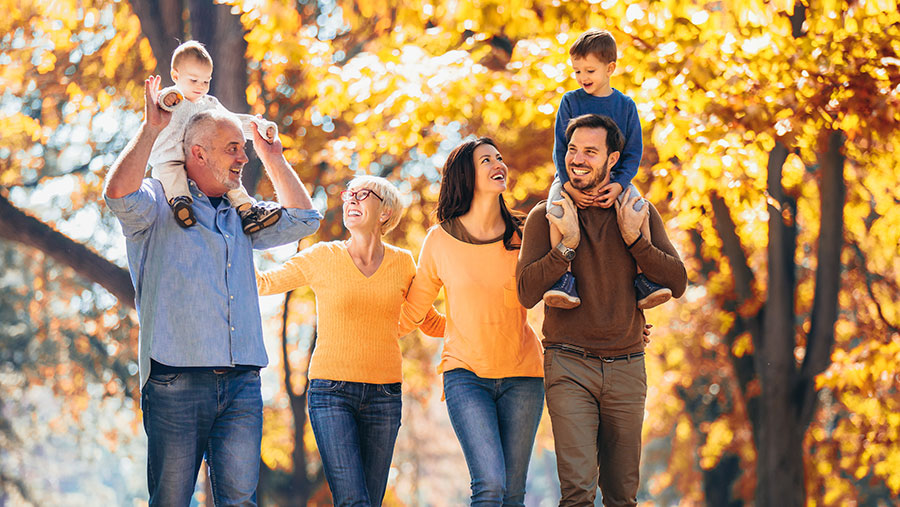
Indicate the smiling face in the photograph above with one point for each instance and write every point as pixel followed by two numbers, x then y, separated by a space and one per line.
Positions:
pixel 192 77
pixel 593 75
pixel 587 160
pixel 490 171
pixel 363 211
pixel 216 162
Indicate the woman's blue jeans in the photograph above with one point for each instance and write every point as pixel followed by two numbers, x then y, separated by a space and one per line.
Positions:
pixel 495 421
pixel 355 425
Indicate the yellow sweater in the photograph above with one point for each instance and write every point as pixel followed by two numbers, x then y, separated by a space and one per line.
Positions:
pixel 487 332
pixel 357 317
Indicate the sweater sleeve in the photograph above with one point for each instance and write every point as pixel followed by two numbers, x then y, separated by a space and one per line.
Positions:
pixel 289 276
pixel 658 258
pixel 434 323
pixel 630 160
pixel 563 115
pixel 423 290
pixel 539 265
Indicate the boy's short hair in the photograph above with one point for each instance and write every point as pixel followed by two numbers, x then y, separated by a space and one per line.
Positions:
pixel 615 141
pixel 599 43
pixel 191 49
pixel 389 194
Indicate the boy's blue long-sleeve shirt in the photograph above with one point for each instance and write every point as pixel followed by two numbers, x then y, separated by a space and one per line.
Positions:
pixel 617 106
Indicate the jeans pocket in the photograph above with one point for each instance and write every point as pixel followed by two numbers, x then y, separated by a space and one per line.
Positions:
pixel 393 390
pixel 163 379
pixel 319 384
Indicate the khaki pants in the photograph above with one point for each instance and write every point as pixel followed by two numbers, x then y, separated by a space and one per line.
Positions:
pixel 597 409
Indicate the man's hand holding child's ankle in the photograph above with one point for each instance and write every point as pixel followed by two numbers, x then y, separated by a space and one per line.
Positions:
pixel 568 224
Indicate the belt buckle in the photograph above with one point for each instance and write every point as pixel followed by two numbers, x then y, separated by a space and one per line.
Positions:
pixel 608 359
pixel 220 371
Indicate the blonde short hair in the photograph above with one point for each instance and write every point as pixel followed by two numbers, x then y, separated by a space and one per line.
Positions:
pixel 191 49
pixel 389 194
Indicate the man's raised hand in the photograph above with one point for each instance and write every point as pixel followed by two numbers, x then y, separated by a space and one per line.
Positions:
pixel 155 117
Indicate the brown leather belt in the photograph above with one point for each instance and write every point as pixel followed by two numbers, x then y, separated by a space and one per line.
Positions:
pixel 584 353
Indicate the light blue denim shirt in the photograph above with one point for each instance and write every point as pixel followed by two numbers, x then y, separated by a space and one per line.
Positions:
pixel 195 287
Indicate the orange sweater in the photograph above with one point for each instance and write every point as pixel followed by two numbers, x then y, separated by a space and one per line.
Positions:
pixel 357 332
pixel 487 332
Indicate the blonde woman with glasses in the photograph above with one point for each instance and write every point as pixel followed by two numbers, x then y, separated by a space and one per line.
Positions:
pixel 355 370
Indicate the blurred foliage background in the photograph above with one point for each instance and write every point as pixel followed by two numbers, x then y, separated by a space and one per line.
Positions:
pixel 769 130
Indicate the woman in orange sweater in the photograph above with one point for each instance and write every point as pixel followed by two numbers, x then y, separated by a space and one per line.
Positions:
pixel 355 369
pixel 492 361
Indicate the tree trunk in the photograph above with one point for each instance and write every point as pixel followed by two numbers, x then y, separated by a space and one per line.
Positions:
pixel 301 485
pixel 15 225
pixel 162 23
pixel 780 452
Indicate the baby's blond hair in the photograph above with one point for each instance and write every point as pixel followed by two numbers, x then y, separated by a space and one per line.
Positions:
pixel 193 50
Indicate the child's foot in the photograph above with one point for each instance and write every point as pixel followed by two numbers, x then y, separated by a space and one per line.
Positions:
pixel 650 294
pixel 259 216
pixel 184 213
pixel 563 293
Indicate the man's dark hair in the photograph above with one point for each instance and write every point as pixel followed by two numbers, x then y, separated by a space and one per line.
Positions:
pixel 615 141
pixel 599 43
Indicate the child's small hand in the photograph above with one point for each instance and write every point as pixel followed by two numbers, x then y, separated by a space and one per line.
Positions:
pixel 265 148
pixel 581 199
pixel 608 194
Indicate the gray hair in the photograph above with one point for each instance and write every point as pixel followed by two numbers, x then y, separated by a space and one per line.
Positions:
pixel 389 194
pixel 202 125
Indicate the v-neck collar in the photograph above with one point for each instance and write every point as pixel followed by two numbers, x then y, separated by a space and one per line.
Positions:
pixel 355 267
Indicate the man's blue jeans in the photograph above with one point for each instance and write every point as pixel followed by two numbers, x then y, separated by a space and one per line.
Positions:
pixel 495 421
pixel 187 415
pixel 355 425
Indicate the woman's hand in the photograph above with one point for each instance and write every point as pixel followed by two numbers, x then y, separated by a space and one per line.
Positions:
pixel 646 334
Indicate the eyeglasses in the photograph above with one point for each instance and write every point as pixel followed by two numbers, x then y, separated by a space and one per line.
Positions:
pixel 358 195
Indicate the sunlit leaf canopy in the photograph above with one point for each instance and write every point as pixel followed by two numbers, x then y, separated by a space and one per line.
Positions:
pixel 389 88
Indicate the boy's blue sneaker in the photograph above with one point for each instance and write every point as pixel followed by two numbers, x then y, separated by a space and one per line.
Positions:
pixel 563 293
pixel 649 294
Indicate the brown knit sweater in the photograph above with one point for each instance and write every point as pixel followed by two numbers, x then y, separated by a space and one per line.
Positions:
pixel 608 321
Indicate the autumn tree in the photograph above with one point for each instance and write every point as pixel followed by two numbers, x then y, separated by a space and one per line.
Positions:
pixel 769 131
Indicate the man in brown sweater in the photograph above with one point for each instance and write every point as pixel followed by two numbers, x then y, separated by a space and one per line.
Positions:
pixel 594 372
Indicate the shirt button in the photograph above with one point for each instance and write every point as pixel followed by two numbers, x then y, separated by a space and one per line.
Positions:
pixel 232 328
pixel 232 297
pixel 229 264
pixel 226 235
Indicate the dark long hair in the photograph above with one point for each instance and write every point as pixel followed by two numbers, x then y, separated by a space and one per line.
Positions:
pixel 458 188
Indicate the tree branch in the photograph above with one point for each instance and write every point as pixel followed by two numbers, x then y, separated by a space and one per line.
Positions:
pixel 732 248
pixel 18 226
pixel 870 279
pixel 775 343
pixel 828 272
